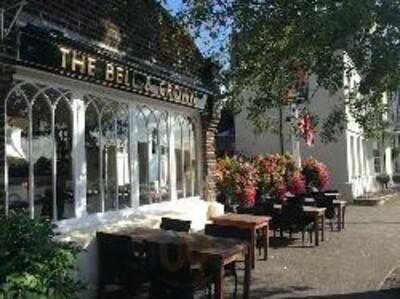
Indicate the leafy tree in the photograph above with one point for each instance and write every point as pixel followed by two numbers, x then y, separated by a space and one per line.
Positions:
pixel 272 41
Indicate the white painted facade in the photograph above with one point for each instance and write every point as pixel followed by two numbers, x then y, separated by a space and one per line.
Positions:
pixel 82 225
pixel 350 159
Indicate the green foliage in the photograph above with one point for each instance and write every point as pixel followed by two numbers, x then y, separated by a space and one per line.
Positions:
pixel 270 40
pixel 33 264
pixel 334 125
pixel 396 178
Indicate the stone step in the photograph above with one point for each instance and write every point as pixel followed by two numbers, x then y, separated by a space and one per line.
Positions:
pixel 374 200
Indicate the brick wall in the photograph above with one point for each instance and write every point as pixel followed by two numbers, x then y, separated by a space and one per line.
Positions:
pixel 210 119
pixel 141 28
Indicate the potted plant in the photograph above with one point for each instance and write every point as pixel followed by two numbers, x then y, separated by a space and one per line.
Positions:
pixel 278 174
pixel 316 174
pixel 236 181
pixel 383 179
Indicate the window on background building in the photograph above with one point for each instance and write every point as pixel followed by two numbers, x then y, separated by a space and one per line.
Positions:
pixel 396 154
pixel 353 158
pixel 360 155
pixel 38 151
pixel 376 158
pixel 365 157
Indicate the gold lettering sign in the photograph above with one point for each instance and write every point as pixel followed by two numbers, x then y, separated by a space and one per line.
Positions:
pixel 124 76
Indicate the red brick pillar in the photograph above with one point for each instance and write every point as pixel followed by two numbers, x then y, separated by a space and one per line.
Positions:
pixel 6 79
pixel 210 119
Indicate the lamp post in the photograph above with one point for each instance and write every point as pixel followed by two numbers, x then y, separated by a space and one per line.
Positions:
pixel 298 96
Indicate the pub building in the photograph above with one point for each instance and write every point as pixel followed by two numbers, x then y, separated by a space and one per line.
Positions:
pixel 107 115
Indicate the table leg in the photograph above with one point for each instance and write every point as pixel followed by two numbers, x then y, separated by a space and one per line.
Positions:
pixel 343 216
pixel 316 230
pixel 219 282
pixel 266 241
pixel 247 275
pixel 253 247
pixel 323 227
pixel 340 215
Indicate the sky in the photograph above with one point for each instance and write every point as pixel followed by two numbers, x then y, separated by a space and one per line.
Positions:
pixel 206 45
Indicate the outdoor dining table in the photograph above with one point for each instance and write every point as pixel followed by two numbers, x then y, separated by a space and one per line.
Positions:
pixel 203 248
pixel 319 219
pixel 251 222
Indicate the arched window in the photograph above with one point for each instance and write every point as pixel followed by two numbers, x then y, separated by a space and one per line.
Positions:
pixel 178 142
pixel 93 154
pixel 18 126
pixel 163 156
pixel 38 150
pixel 63 133
pixel 115 156
pixel 42 156
pixel 153 155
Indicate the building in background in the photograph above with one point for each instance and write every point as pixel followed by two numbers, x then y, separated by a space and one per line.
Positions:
pixel 354 160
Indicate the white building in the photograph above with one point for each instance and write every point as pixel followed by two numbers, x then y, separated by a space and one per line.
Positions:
pixel 353 160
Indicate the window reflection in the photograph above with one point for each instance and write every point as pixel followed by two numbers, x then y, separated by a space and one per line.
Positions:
pixel 42 155
pixel 116 178
pixel 108 154
pixel 17 128
pixel 63 139
pixel 92 144
pixel 178 135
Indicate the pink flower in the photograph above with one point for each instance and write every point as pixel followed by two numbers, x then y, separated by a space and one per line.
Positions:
pixel 250 193
pixel 297 184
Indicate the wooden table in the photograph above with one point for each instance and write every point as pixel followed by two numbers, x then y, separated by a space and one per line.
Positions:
pixel 222 250
pixel 319 218
pixel 251 222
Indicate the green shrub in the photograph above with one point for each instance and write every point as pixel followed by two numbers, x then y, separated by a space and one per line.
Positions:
pixel 33 264
pixel 396 178
pixel 383 179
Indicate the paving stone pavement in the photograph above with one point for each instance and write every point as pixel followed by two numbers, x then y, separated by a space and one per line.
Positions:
pixel 348 264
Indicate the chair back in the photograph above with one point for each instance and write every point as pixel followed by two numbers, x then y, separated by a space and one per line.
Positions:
pixel 226 231
pixel 115 253
pixel 175 224
pixel 324 201
pixel 169 262
pixel 292 211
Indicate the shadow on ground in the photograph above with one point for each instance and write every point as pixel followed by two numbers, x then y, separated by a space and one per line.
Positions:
pixel 266 293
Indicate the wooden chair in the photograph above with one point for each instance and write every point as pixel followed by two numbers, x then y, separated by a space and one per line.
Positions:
pixel 175 224
pixel 173 275
pixel 121 266
pixel 326 201
pixel 231 232
pixel 294 220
